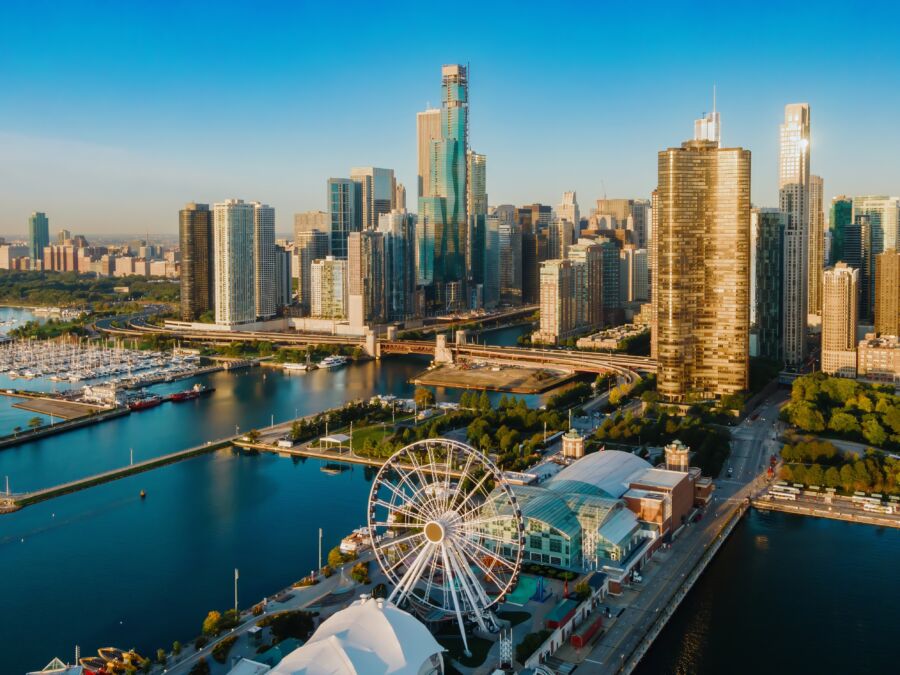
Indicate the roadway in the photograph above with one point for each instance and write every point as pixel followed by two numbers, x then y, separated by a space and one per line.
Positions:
pixel 664 576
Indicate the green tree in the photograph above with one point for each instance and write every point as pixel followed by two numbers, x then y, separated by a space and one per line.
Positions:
pixel 35 422
pixel 843 423
pixel 892 418
pixel 176 648
pixel 832 477
pixel 201 667
pixel 873 432
pixel 815 475
pixel 335 557
pixel 252 436
pixel 296 431
pixel 805 416
pixel 484 403
pixel 848 477
pixel 161 656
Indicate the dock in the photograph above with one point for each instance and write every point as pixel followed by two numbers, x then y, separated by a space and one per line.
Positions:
pixel 60 427
pixel 509 379
pixel 832 512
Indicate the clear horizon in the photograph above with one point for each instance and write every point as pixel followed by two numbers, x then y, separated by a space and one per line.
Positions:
pixel 113 117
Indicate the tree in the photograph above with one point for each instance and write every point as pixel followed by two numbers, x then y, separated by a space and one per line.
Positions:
pixel 843 423
pixel 252 436
pixel 423 397
pixel 805 416
pixel 892 418
pixel 815 475
pixel 335 557
pixel 212 623
pixel 201 667
pixel 161 656
pixel 296 431
pixel 832 477
pixel 873 432
pixel 484 404
pixel 176 648
pixel 35 422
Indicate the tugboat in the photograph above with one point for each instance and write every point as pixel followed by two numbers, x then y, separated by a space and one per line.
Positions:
pixel 144 402
pixel 189 394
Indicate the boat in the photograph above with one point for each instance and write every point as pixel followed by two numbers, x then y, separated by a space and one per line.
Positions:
pixel 334 468
pixel 298 367
pixel 145 402
pixel 333 362
pixel 190 394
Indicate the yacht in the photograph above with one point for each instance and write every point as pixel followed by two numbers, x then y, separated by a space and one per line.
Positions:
pixel 336 361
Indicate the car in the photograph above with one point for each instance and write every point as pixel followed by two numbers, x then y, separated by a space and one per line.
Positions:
pixel 730 472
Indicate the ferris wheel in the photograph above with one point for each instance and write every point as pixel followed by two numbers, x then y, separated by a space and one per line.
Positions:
pixel 446 530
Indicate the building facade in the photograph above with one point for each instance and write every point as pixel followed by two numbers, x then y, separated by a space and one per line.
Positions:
pixel 398 229
pixel 195 235
pixel 283 277
pixel 428 129
pixel 839 320
pixel 365 278
pixel 793 195
pixel 769 274
pixel 887 293
pixel 376 193
pixel 233 245
pixel 816 244
pixel 557 295
pixel 310 245
pixel 879 219
pixel 840 217
pixel 703 256
pixel 344 211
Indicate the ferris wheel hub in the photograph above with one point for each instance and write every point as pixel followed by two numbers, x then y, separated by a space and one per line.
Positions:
pixel 435 532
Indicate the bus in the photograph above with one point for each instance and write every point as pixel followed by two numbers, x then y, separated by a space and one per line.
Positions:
pixel 879 508
pixel 860 499
pixel 785 492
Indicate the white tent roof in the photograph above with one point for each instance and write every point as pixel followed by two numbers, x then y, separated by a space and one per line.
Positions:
pixel 370 637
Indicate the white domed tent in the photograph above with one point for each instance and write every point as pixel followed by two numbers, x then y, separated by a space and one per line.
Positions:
pixel 370 637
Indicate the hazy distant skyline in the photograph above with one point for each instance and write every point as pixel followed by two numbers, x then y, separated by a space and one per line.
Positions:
pixel 113 116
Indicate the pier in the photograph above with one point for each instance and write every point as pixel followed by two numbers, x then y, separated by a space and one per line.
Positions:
pixel 61 427
pixel 10 503
pixel 840 509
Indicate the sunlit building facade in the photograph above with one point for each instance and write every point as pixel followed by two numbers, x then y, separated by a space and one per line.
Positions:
pixel 235 279
pixel 195 235
pixel 703 239
pixel 839 320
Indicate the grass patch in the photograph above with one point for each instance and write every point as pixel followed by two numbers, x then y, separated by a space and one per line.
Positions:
pixel 454 646
pixel 514 617
pixel 373 434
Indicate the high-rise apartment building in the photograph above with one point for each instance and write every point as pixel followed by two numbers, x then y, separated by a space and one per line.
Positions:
pixel 428 129
pixel 887 293
pixel 587 257
pixel 702 235
pixel 376 193
pixel 793 194
pixel 233 245
pixel 709 127
pixel 399 231
pixel 38 234
pixel 328 294
pixel 840 218
pixel 768 273
pixel 557 295
pixel 310 245
pixel 839 320
pixel 882 215
pixel 345 211
pixel 444 210
pixel 477 207
pixel 816 244
pixel 476 195
pixel 195 235
pixel 365 278
pixel 633 280
pixel 264 260
pixel 400 197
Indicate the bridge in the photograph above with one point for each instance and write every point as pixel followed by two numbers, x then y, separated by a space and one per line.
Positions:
pixel 441 349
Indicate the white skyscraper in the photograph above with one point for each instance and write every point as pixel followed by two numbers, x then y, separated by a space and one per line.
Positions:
pixel 264 259
pixel 233 226
pixel 568 209
pixel 376 193
pixel 329 288
pixel 793 195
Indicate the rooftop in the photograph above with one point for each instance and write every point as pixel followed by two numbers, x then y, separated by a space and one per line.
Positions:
pixel 660 478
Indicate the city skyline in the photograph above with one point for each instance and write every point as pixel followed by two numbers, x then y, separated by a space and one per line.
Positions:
pixel 130 142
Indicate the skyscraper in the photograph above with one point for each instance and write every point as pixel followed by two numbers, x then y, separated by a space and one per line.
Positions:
pixel 309 246
pixel 399 197
pixel 195 235
pixel 311 220
pixel 840 217
pixel 816 244
pixel 365 278
pixel 283 276
pixel 702 235
pixel 376 193
pixel 568 210
pixel 344 208
pixel 398 229
pixel 491 265
pixel 510 276
pixel 587 256
pixel 769 272
pixel 883 217
pixel 445 207
pixel 233 244
pixel 793 194
pixel 476 195
pixel 476 204
pixel 428 129
pixel 264 260
pixel 709 127
pixel 839 320
pixel 887 293
pixel 633 275
pixel 38 234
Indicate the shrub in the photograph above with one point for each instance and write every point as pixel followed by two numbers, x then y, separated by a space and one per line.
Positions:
pixel 201 642
pixel 200 668
pixel 221 649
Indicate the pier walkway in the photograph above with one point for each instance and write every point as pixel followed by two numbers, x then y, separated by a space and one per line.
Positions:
pixel 837 510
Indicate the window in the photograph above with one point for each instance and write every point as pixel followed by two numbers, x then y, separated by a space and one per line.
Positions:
pixel 555 546
pixel 536 542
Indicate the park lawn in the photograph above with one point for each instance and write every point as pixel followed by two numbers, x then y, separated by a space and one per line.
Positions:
pixel 454 646
pixel 375 433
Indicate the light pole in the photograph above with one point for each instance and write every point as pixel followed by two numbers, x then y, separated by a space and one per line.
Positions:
pixel 236 577
pixel 320 548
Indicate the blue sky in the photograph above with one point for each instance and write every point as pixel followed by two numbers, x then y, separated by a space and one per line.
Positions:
pixel 113 114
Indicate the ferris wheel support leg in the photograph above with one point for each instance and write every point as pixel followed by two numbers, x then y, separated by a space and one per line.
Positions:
pixel 456 607
pixel 465 583
pixel 405 585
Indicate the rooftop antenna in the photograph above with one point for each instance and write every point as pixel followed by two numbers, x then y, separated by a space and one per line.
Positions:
pixel 714 98
pixel 603 185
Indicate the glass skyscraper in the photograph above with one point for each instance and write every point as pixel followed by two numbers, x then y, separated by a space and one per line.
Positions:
pixel 345 213
pixel 444 212
pixel 841 216
pixel 38 234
